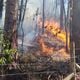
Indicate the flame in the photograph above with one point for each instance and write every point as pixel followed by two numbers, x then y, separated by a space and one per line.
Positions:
pixel 45 49
pixel 54 28
pixel 63 53
pixel 60 55
pixel 49 51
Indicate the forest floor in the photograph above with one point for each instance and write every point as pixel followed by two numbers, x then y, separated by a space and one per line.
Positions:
pixel 46 59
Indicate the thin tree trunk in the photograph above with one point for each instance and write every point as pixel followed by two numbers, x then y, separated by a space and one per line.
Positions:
pixel 74 32
pixel 10 27
pixel 71 40
pixel 1 7
pixel 1 4
pixel 43 15
pixel 61 12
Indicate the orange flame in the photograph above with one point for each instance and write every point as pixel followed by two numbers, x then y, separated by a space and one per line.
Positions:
pixel 45 48
pixel 53 28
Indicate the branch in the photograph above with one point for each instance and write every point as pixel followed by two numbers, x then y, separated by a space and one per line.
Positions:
pixel 78 67
pixel 69 77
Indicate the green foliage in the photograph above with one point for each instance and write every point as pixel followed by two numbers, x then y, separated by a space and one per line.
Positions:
pixel 1 36
pixel 2 60
pixel 6 44
pixel 9 55
pixel 7 51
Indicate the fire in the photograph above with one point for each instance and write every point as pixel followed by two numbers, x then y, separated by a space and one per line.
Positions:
pixel 50 51
pixel 54 28
pixel 60 55
pixel 63 53
pixel 45 49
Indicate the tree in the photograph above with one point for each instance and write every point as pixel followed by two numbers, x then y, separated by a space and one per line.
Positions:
pixel 61 12
pixel 1 7
pixel 43 17
pixel 10 26
pixel 76 27
pixel 74 33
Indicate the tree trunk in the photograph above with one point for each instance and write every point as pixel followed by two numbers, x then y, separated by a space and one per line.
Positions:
pixel 61 12
pixel 1 4
pixel 43 17
pixel 74 34
pixel 10 27
pixel 76 27
pixel 1 7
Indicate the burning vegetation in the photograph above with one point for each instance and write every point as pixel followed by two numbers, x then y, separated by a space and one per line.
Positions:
pixel 47 53
pixel 47 56
pixel 54 39
pixel 53 27
pixel 45 49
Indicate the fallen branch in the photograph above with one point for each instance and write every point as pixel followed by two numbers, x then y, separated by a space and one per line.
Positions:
pixel 77 65
pixel 69 77
pixel 72 74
